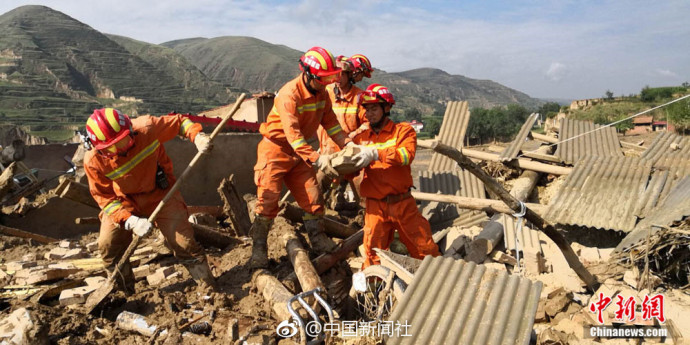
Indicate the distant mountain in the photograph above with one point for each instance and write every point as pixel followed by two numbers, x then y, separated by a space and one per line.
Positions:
pixel 256 65
pixel 55 68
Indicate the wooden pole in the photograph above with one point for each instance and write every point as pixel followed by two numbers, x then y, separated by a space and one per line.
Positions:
pixel 299 257
pixel 234 206
pixel 210 237
pixel 25 234
pixel 332 227
pixel 275 293
pixel 487 205
pixel 519 162
pixel 514 204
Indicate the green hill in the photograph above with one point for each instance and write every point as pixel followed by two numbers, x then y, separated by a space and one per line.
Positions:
pixel 256 65
pixel 54 68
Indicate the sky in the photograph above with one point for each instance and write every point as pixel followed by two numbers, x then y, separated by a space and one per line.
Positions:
pixel 546 49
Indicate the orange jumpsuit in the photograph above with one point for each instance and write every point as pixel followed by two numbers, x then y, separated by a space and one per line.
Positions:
pixel 350 116
pixel 125 185
pixel 284 155
pixel 386 186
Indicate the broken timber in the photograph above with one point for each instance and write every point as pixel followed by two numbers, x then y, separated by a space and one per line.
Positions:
pixel 332 227
pixel 78 192
pixel 306 273
pixel 525 164
pixel 514 204
pixel 275 293
pixel 25 234
pixel 488 205
pixel 234 207
pixel 210 236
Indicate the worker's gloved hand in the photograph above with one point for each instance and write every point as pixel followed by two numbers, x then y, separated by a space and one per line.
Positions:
pixel 140 226
pixel 324 164
pixel 203 142
pixel 365 157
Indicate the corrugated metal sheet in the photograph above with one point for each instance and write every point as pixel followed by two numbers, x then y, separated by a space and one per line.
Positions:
pixel 528 239
pixel 456 302
pixel 457 182
pixel 661 154
pixel 673 208
pixel 602 192
pixel 452 133
pixel 511 152
pixel 603 143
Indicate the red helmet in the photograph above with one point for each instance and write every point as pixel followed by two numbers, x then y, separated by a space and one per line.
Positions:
pixel 344 63
pixel 107 126
pixel 376 93
pixel 362 64
pixel 319 64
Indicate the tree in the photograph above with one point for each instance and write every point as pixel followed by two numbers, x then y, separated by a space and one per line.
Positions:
pixel 609 95
pixel 678 114
pixel 413 114
pixel 549 107
pixel 432 125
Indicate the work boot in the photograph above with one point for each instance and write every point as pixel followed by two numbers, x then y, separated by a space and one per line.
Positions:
pixel 201 274
pixel 320 243
pixel 124 279
pixel 259 232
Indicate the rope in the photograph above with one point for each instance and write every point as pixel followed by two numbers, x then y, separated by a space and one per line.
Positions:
pixel 613 123
pixel 518 233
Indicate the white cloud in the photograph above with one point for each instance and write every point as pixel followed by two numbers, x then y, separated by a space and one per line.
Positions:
pixel 666 73
pixel 556 71
pixel 597 46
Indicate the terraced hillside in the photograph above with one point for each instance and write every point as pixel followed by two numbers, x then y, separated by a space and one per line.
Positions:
pixel 56 69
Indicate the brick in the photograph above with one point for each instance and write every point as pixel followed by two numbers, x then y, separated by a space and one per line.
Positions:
pixel 76 295
pixel 63 266
pixel 68 244
pixel 37 275
pixel 92 246
pixel 29 257
pixel 160 275
pixel 95 281
pixel 19 265
pixel 64 253
pixel 142 272
pixel 144 251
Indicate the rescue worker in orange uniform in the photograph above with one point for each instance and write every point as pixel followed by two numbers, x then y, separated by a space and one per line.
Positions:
pixel 387 150
pixel 343 95
pixel 284 155
pixel 129 173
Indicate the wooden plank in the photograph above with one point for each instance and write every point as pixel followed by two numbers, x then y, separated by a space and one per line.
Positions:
pixel 79 192
pixel 25 234
pixel 87 220
pixel 234 207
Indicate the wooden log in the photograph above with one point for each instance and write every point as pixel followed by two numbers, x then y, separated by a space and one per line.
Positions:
pixel 488 239
pixel 79 192
pixel 324 262
pixel 87 220
pixel 634 146
pixel 519 162
pixel 332 227
pixel 487 205
pixel 25 234
pixel 211 237
pixel 299 257
pixel 542 157
pixel 234 206
pixel 275 293
pixel 530 215
pixel 544 138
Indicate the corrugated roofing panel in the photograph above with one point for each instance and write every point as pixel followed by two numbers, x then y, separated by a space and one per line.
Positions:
pixel 602 192
pixel 457 182
pixel 673 208
pixel 528 239
pixel 452 133
pixel 512 151
pixel 662 155
pixel 603 142
pixel 456 302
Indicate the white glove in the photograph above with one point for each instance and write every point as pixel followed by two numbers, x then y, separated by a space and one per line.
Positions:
pixel 323 163
pixel 203 142
pixel 140 226
pixel 365 157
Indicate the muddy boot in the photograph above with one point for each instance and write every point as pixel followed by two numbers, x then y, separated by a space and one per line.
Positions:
pixel 124 279
pixel 259 232
pixel 201 274
pixel 320 243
